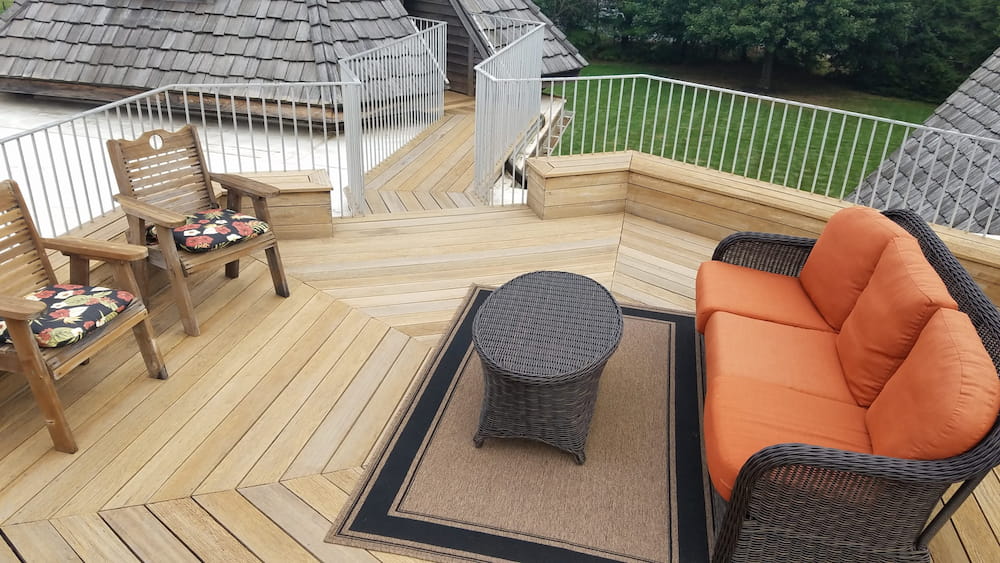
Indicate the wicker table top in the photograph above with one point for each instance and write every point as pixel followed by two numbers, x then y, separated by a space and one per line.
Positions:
pixel 547 327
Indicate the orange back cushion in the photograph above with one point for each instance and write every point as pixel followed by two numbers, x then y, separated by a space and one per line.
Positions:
pixel 844 258
pixel 902 295
pixel 943 399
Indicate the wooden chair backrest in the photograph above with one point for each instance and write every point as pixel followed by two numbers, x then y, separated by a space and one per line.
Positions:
pixel 24 266
pixel 164 168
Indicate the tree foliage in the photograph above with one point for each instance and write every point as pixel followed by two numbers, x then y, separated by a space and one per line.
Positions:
pixel 918 48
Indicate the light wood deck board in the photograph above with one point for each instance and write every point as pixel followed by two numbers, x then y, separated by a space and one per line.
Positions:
pixel 39 541
pixel 92 539
pixel 262 411
pixel 146 536
pixel 302 522
pixel 431 172
pixel 252 527
pixel 200 532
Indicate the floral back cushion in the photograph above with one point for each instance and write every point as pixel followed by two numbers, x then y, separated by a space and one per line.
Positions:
pixel 214 228
pixel 73 311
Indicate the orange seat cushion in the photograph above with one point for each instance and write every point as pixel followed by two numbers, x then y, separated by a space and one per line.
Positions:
pixel 943 399
pixel 902 295
pixel 800 359
pixel 743 416
pixel 752 293
pixel 843 259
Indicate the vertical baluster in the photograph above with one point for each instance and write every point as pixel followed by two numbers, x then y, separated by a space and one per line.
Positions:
pixel 45 189
pixel 753 137
pixel 962 187
pixel 805 154
pixel 791 151
pixel 930 176
pixel 656 118
pixel 281 129
pixel 236 131
pixel 913 171
pixel 701 128
pixel 687 138
pixel 222 133
pixel 850 160
pixel 645 112
pixel 739 135
pixel 836 154
pixel 777 145
pixel 715 128
pixel 267 134
pixel 677 128
pixel 979 194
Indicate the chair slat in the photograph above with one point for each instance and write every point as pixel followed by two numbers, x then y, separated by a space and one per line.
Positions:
pixel 164 159
pixel 15 232
pixel 23 265
pixel 180 182
pixel 13 247
pixel 183 139
pixel 21 276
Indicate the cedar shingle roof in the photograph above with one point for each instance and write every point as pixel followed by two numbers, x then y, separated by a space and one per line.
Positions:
pixel 945 177
pixel 144 44
pixel 560 56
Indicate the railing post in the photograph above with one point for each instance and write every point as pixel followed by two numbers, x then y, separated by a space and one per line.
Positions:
pixel 355 155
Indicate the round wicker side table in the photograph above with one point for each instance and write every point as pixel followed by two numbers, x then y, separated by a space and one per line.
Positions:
pixel 544 339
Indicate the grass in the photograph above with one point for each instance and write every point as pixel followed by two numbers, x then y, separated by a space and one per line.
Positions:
pixel 805 148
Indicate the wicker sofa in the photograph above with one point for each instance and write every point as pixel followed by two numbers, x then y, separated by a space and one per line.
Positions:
pixel 851 380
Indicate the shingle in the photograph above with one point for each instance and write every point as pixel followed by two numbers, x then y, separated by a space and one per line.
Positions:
pixel 150 41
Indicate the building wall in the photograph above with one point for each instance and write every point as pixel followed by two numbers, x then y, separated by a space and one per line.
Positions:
pixel 462 52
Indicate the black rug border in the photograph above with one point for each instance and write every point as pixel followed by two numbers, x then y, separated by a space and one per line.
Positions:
pixel 372 517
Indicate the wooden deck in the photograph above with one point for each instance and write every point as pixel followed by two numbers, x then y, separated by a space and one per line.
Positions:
pixel 433 171
pixel 252 446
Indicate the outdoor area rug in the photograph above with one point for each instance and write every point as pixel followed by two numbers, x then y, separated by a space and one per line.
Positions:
pixel 642 495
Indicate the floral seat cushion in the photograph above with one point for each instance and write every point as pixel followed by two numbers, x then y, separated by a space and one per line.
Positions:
pixel 73 311
pixel 214 228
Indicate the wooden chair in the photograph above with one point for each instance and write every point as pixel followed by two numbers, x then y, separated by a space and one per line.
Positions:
pixel 24 268
pixel 162 178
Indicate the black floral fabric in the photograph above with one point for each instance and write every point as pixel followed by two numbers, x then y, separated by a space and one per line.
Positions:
pixel 214 228
pixel 73 311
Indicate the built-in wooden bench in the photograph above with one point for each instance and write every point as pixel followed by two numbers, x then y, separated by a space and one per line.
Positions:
pixel 303 207
pixel 708 203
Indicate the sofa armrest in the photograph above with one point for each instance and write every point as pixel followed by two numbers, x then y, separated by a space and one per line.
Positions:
pixel 778 254
pixel 801 492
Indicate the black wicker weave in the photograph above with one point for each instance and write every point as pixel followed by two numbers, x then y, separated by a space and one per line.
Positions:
pixel 796 502
pixel 544 339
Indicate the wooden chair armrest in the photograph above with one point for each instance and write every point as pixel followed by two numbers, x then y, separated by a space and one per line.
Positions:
pixel 150 213
pixel 247 186
pixel 19 308
pixel 94 250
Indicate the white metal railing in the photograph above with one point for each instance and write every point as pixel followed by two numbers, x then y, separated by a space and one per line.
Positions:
pixel 342 127
pixel 402 88
pixel 508 95
pixel 67 178
pixel 812 148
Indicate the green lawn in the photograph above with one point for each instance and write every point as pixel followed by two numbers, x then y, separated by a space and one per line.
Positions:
pixel 806 148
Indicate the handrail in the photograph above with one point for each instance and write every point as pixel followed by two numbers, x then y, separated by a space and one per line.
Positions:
pixel 785 101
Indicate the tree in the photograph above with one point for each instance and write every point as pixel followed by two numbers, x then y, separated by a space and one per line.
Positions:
pixel 804 31
pixel 946 40
pixel 571 15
